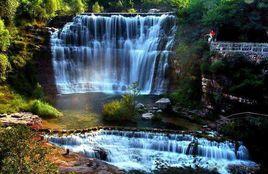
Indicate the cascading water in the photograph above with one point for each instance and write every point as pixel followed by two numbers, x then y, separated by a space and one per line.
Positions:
pixel 141 150
pixel 109 53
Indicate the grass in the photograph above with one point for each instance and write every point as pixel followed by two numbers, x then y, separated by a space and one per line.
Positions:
pixel 43 109
pixel 10 102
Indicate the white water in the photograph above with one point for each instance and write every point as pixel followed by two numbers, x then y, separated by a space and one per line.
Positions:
pixel 141 150
pixel 107 54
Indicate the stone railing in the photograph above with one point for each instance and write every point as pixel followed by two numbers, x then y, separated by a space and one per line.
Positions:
pixel 246 48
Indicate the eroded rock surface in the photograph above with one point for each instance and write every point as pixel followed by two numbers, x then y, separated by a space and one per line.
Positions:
pixel 23 118
pixel 91 166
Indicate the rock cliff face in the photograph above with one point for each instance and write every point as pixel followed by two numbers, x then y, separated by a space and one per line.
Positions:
pixel 40 37
pixel 235 85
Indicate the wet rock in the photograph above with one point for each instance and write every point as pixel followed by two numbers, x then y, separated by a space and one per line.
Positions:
pixel 124 88
pixel 140 106
pixel 147 116
pixel 163 103
pixel 244 169
pixel 192 149
pixel 154 10
pixel 153 109
pixel 101 154
pixel 159 111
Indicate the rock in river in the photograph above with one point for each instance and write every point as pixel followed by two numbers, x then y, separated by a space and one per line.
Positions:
pixel 163 103
pixel 147 116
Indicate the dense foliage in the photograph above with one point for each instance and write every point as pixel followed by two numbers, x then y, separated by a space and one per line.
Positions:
pixel 4 37
pixel 236 20
pixel 123 109
pixel 11 102
pixel 237 75
pixel 4 67
pixel 96 8
pixel 20 153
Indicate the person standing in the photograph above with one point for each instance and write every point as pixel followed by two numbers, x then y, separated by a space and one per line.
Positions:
pixel 212 35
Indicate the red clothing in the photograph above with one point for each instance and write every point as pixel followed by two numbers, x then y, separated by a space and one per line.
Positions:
pixel 212 33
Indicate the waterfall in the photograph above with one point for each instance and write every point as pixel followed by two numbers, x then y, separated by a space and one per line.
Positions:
pixel 141 150
pixel 95 53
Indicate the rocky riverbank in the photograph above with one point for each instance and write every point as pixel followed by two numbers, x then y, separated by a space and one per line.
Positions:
pixel 22 118
pixel 70 162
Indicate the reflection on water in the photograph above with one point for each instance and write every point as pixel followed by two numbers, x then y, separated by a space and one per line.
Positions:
pixel 84 111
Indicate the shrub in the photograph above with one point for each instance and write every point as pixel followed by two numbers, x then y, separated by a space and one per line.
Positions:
pixel 157 118
pixel 20 153
pixel 204 67
pixel 11 102
pixel 96 8
pixel 128 103
pixel 4 37
pixel 217 66
pixel 38 92
pixel 187 94
pixel 123 109
pixel 113 111
pixel 4 67
pixel 43 109
pixel 132 10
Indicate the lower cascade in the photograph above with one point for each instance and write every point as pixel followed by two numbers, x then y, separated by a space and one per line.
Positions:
pixel 95 53
pixel 130 150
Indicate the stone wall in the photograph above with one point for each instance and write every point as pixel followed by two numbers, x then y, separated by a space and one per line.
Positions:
pixel 246 48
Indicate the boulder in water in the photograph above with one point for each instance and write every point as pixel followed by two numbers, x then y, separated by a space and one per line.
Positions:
pixel 147 116
pixel 101 154
pixel 140 107
pixel 163 103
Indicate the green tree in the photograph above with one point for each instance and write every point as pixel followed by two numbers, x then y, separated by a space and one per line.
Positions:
pixel 8 9
pixel 4 37
pixel 96 8
pixel 32 10
pixel 4 67
pixel 52 6
pixel 128 100
pixel 180 3
pixel 124 109
pixel 132 10
pixel 78 6
pixel 21 154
